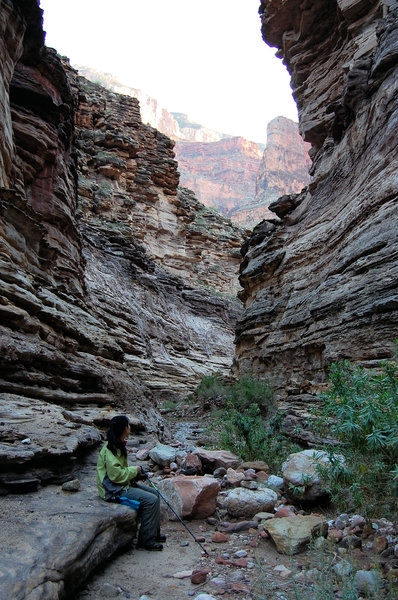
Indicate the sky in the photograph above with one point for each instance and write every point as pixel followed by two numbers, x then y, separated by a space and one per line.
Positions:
pixel 206 59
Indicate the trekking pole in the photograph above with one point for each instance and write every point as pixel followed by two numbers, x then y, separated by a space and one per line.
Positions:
pixel 172 509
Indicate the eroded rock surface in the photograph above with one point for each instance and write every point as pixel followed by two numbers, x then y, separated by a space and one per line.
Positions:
pixel 112 289
pixel 321 284
pixel 52 551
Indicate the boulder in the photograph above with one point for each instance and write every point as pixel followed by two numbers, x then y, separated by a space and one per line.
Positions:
pixel 292 534
pixel 300 474
pixel 213 459
pixel 163 455
pixel 241 502
pixel 69 536
pixel 192 497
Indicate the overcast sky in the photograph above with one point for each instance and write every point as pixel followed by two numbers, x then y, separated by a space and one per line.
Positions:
pixel 204 58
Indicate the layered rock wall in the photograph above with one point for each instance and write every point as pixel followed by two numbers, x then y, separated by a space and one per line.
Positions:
pixel 223 173
pixel 285 165
pixel 111 281
pixel 322 284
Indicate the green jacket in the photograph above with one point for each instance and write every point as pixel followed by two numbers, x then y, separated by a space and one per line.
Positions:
pixel 116 467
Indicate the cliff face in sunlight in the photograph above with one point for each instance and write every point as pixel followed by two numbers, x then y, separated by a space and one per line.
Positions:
pixel 113 282
pixel 321 284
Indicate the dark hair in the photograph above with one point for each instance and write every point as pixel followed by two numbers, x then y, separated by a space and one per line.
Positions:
pixel 116 427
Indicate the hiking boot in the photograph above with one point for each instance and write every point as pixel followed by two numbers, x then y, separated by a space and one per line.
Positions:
pixel 151 546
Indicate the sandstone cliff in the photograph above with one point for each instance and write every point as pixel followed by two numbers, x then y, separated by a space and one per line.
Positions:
pixel 232 174
pixel 112 281
pixel 322 284
pixel 241 178
pixel 285 164
pixel 223 173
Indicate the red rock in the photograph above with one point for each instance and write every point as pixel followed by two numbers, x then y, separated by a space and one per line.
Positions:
pixel 201 538
pixel 191 496
pixel 253 544
pixel 241 526
pixel 199 575
pixel 264 535
pixel 223 561
pixel 239 587
pixel 192 460
pixel 219 537
pixel 217 458
pixel 380 543
pixel 222 173
pixel 262 476
pixel 335 535
pixel 240 562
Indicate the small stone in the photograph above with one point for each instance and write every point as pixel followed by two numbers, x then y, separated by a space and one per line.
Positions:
pixel 108 590
pixel 366 581
pixel 239 587
pixel 342 521
pixel 218 581
pixel 380 543
pixel 240 554
pixel 71 486
pixel 25 441
pixel 335 535
pixel 342 569
pixel 282 571
pixel 236 576
pixel 184 544
pixel 240 562
pixel 199 576
pixel 219 537
pixel 211 521
pixel 283 512
pixel 263 516
pixel 249 485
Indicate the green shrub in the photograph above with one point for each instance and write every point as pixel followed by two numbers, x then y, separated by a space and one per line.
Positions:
pixel 247 434
pixel 245 421
pixel 361 411
pixel 210 388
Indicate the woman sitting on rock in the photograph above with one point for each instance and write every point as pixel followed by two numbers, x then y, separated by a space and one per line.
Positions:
pixel 115 478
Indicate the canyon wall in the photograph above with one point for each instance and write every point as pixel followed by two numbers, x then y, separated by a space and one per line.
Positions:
pixel 238 177
pixel 222 174
pixel 114 284
pixel 321 284
pixel 284 169
pixel 285 164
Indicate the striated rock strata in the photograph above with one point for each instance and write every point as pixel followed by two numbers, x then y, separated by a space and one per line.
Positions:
pixel 222 174
pixel 321 284
pixel 285 164
pixel 113 283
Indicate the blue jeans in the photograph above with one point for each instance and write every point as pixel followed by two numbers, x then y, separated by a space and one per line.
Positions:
pixel 149 511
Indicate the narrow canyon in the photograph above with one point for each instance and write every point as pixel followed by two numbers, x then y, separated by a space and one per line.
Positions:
pixel 121 287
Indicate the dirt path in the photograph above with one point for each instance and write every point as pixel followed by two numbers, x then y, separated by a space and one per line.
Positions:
pixel 139 572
